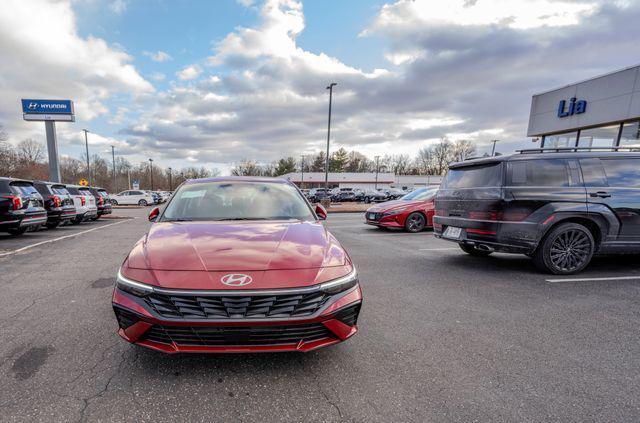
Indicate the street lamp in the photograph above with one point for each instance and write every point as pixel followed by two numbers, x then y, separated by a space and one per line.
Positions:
pixel 170 184
pixel 86 144
pixel 115 181
pixel 377 167
pixel 302 171
pixel 151 172
pixel 493 150
pixel 326 164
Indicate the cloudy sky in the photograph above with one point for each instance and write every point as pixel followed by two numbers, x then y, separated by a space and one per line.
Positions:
pixel 215 82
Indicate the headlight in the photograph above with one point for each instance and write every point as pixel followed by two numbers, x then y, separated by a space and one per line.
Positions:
pixel 132 287
pixel 341 284
pixel 394 212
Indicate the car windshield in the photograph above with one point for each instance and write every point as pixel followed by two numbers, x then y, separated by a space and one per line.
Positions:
pixel 241 200
pixel 422 194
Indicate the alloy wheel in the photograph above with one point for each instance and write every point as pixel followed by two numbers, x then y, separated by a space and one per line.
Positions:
pixel 570 250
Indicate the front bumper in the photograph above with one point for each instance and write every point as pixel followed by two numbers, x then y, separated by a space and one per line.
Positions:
pixel 141 325
pixel 381 220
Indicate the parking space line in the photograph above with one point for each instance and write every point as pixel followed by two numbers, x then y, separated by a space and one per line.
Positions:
pixel 27 247
pixel 615 278
pixel 439 249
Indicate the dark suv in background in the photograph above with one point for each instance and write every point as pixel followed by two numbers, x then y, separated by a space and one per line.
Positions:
pixel 57 202
pixel 560 207
pixel 21 206
pixel 103 202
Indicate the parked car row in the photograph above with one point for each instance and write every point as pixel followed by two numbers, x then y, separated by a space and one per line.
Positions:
pixel 26 205
pixel 140 197
pixel 345 194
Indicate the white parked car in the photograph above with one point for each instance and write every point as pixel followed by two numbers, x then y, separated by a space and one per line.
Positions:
pixel 135 197
pixel 84 202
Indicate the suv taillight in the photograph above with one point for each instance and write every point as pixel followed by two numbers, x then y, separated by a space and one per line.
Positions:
pixel 16 202
pixel 83 201
pixel 56 200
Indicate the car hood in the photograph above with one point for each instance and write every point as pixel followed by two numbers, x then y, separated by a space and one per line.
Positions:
pixel 237 246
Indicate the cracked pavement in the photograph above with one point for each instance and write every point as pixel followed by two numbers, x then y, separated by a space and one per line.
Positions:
pixel 443 337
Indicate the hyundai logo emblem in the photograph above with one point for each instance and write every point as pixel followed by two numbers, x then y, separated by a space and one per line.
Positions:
pixel 236 279
pixel 33 105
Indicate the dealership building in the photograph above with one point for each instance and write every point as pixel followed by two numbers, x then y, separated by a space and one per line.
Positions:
pixel 600 112
pixel 364 180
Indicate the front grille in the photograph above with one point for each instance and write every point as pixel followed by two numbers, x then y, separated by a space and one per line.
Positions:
pixel 207 336
pixel 374 216
pixel 236 307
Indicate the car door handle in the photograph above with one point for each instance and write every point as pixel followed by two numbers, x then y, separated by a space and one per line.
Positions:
pixel 600 194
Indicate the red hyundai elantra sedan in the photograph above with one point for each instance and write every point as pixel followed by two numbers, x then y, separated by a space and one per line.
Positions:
pixel 413 212
pixel 237 265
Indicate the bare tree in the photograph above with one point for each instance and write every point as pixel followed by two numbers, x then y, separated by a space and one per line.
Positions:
pixel 424 161
pixel 442 155
pixel 3 135
pixel 247 168
pixel 400 164
pixel 30 151
pixel 462 149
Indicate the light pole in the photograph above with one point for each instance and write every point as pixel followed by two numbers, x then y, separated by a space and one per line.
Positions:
pixel 170 184
pixel 115 180
pixel 302 171
pixel 86 144
pixel 493 150
pixel 151 172
pixel 326 164
pixel 377 167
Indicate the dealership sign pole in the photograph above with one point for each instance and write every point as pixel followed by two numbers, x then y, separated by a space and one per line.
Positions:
pixel 49 111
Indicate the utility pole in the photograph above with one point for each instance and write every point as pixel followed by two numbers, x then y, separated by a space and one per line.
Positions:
pixel 377 167
pixel 302 171
pixel 86 144
pixel 493 150
pixel 129 177
pixel 170 184
pixel 115 180
pixel 326 165
pixel 151 172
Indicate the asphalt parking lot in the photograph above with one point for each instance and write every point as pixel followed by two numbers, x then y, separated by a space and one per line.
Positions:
pixel 443 337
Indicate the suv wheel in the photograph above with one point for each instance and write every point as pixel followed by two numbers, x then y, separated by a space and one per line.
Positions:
pixel 142 202
pixel 567 249
pixel 17 231
pixel 415 222
pixel 473 251
pixel 114 202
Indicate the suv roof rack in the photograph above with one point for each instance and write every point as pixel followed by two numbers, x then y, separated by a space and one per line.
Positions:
pixel 577 149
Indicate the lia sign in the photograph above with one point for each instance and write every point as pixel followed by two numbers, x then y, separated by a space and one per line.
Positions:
pixel 55 110
pixel 575 107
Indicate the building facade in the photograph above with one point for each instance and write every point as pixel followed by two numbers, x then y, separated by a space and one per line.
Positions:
pixel 362 180
pixel 600 112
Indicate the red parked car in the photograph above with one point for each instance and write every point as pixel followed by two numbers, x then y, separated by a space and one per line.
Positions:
pixel 237 265
pixel 413 212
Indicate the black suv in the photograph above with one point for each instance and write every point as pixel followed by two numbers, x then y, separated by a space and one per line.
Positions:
pixel 21 206
pixel 103 202
pixel 560 207
pixel 57 202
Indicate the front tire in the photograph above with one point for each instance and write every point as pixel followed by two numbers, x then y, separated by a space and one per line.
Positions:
pixel 415 222
pixel 142 203
pixel 114 203
pixel 565 250
pixel 52 225
pixel 17 231
pixel 473 251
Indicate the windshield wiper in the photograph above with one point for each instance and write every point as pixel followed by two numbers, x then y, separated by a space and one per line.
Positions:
pixel 241 218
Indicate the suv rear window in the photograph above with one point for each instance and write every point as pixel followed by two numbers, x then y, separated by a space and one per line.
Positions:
pixel 543 173
pixel 59 189
pixel 24 188
pixel 489 175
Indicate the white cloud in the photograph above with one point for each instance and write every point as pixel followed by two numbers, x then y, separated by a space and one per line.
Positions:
pixel 157 76
pixel 189 72
pixel 159 56
pixel 245 3
pixel 44 56
pixel 118 6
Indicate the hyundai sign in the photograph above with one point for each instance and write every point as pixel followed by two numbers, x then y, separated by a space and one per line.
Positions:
pixel 61 110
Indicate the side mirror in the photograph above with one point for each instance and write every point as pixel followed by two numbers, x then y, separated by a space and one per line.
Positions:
pixel 153 215
pixel 321 212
